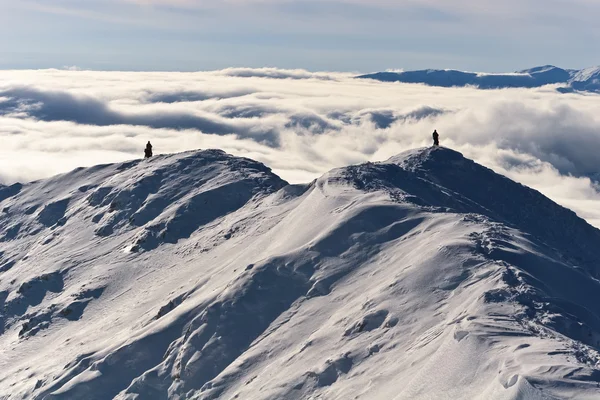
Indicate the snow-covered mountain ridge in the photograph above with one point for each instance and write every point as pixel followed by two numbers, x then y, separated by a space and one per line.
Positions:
pixel 202 275
pixel 585 80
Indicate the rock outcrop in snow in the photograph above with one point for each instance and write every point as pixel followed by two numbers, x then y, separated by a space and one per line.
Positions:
pixel 585 80
pixel 202 275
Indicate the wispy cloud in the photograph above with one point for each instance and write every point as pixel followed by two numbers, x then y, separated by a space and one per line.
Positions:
pixel 484 7
pixel 437 11
pixel 100 10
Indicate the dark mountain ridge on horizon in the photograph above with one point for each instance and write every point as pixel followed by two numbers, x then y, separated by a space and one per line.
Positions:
pixel 572 80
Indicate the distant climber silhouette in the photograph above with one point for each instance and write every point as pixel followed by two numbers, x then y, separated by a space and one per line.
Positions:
pixel 436 138
pixel 148 150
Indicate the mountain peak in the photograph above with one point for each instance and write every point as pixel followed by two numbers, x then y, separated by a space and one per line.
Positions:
pixel 159 194
pixel 204 275
pixel 443 178
pixel 426 157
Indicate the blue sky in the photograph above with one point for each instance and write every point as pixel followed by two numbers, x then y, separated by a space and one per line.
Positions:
pixel 342 35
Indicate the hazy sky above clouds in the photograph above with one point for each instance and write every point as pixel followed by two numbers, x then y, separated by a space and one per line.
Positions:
pixel 332 35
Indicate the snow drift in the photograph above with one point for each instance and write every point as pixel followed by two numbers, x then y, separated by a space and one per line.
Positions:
pixel 202 275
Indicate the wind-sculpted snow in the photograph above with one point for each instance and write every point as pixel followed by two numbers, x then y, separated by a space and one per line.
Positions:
pixel 586 80
pixel 202 275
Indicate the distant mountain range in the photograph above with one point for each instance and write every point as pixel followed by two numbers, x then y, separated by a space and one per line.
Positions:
pixel 586 80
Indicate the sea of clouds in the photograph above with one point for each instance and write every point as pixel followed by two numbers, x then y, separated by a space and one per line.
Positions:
pixel 299 123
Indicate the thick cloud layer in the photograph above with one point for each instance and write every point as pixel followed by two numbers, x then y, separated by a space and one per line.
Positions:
pixel 299 123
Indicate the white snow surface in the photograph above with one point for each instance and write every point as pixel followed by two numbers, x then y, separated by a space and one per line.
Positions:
pixel 587 74
pixel 205 276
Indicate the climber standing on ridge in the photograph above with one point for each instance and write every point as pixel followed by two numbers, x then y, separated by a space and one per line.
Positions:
pixel 148 150
pixel 436 138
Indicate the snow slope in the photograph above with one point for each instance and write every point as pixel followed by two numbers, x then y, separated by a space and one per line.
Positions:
pixel 202 275
pixel 585 80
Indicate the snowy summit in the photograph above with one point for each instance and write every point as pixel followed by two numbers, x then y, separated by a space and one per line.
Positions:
pixel 201 275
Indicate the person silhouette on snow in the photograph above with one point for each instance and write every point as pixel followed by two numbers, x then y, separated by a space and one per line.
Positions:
pixel 436 138
pixel 148 150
